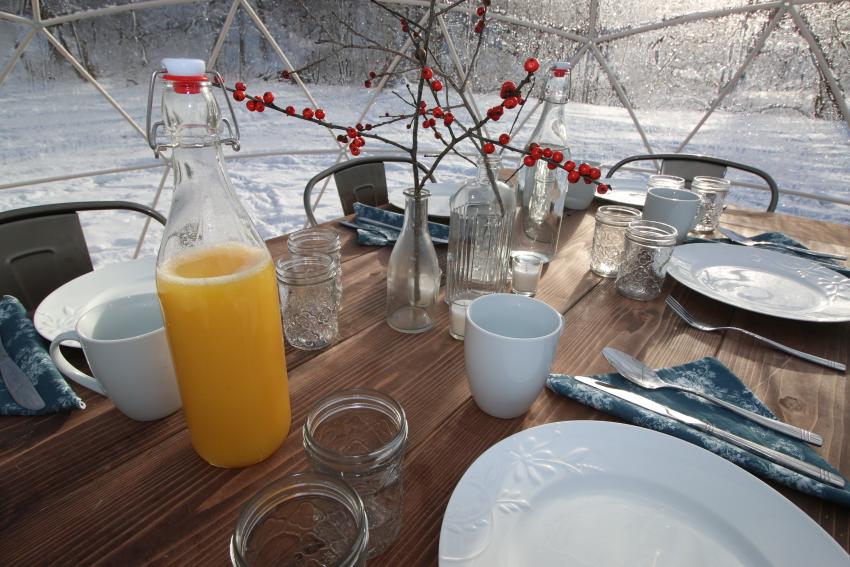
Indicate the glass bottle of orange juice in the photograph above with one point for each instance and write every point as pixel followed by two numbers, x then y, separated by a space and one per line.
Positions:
pixel 217 287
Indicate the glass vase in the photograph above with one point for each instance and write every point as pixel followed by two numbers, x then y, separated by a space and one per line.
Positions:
pixel 413 274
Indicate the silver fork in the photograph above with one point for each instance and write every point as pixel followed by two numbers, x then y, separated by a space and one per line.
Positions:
pixel 746 241
pixel 690 320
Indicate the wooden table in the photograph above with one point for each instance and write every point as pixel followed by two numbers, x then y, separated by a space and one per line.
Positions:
pixel 93 486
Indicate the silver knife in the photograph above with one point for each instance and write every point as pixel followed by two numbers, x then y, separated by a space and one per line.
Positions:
pixel 639 373
pixel 771 455
pixel 18 383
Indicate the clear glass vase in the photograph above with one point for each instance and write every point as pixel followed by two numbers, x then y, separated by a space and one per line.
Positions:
pixel 482 214
pixel 413 273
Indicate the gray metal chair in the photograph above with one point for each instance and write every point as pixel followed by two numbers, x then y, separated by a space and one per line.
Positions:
pixel 361 180
pixel 43 247
pixel 689 166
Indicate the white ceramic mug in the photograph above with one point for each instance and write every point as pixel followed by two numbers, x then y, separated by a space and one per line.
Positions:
pixel 509 345
pixel 676 207
pixel 125 346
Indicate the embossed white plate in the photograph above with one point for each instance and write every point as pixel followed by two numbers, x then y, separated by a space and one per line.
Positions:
pixel 601 494
pixel 763 281
pixel 438 203
pixel 59 311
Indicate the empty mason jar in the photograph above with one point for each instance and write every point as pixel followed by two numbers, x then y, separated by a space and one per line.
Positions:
pixel 712 193
pixel 301 519
pixel 649 245
pixel 319 241
pixel 671 181
pixel 360 436
pixel 609 238
pixel 308 300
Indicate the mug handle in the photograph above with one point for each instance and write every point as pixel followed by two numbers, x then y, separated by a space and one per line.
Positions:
pixel 67 368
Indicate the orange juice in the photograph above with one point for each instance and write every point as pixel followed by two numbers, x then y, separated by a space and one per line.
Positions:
pixel 222 319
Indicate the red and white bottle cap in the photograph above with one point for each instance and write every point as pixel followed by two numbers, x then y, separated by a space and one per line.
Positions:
pixel 561 68
pixel 186 74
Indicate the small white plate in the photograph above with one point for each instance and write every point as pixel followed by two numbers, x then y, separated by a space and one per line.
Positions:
pixel 438 203
pixel 630 192
pixel 591 493
pixel 59 311
pixel 763 281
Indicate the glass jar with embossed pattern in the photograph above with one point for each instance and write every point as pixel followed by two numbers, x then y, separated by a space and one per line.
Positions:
pixel 609 238
pixel 649 245
pixel 308 300
pixel 302 519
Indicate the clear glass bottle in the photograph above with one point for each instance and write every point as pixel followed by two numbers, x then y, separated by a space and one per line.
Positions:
pixel 543 190
pixel 217 287
pixel 482 214
pixel 413 273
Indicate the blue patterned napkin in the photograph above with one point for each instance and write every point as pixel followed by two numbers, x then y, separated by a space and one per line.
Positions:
pixel 379 227
pixel 24 347
pixel 710 376
pixel 780 238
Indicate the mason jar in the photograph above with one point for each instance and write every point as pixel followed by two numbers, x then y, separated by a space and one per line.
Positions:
pixel 609 237
pixel 712 193
pixel 311 241
pixel 649 245
pixel 308 300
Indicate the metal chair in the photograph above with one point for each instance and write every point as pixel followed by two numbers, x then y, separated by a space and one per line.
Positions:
pixel 689 166
pixel 361 180
pixel 43 247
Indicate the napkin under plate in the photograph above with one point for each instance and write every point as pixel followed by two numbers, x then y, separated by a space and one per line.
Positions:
pixel 710 376
pixel 25 348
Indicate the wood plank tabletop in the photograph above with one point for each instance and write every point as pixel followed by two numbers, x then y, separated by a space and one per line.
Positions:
pixel 94 487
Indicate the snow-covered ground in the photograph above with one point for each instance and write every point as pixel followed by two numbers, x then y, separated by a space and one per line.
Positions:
pixel 75 131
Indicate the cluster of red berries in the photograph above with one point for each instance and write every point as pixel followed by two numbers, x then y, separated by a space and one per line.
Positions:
pixel 258 104
pixel 428 75
pixel 368 82
pixel 357 141
pixel 481 11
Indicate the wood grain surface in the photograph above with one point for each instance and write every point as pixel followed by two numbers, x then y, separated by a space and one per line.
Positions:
pixel 94 487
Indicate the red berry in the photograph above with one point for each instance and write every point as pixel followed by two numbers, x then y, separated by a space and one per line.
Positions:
pixel 595 173
pixel 573 176
pixel 352 133
pixel 494 113
pixel 504 139
pixel 285 75
pixel 602 188
pixel 584 169
pixel 259 106
pixel 479 27
pixel 438 112
pixel 405 28
pixel 423 105
pixel 448 119
pixel 557 157
pixel 368 126
pixel 437 86
pixel 359 142
pixel 520 101
pixel 588 181
pixel 342 139
pixel 239 96
pixel 508 89
pixel 251 105
pixel 427 73
pixel 359 127
pixel 547 153
pixel 529 161
pixel 551 165
pixel 372 74
pixel 307 113
pixel 533 145
pixel 438 135
pixel 531 65
pixel 432 122
pixel 570 165
pixel 367 84
pixel 426 123
pixel 536 152
pixel 511 102
pixel 290 110
pixel 241 87
pixel 488 148
pixel 355 151
pixel 481 11
pixel 320 114
pixel 268 98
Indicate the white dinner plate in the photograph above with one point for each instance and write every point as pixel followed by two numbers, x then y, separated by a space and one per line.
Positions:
pixel 438 203
pixel 60 310
pixel 763 281
pixel 601 494
pixel 631 192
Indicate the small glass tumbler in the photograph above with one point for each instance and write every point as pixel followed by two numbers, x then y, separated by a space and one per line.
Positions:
pixel 301 519
pixel 649 245
pixel 526 274
pixel 457 318
pixel 609 237
pixel 670 181
pixel 712 193
pixel 360 436
pixel 308 300
pixel 310 241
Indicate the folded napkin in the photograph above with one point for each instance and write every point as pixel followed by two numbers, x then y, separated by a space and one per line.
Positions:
pixel 710 376
pixel 25 348
pixel 780 238
pixel 379 227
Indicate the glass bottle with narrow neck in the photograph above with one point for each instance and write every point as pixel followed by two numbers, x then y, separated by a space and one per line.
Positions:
pixel 543 190
pixel 482 213
pixel 217 287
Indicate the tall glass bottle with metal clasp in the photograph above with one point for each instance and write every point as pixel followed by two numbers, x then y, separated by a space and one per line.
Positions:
pixel 543 190
pixel 482 213
pixel 217 287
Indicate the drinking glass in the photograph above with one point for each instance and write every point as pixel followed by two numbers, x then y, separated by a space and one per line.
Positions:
pixel 308 300
pixel 712 193
pixel 310 241
pixel 609 238
pixel 526 274
pixel 649 245
pixel 668 181
pixel 360 436
pixel 301 519
pixel 457 318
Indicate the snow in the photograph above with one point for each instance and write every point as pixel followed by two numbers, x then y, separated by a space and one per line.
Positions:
pixel 77 131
